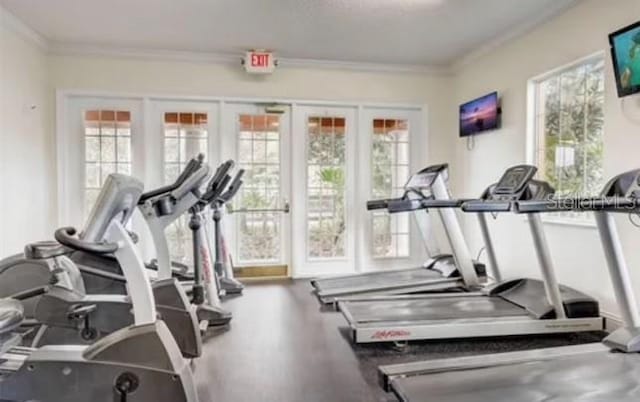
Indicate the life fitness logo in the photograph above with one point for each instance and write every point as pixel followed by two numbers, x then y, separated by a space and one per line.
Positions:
pixel 390 334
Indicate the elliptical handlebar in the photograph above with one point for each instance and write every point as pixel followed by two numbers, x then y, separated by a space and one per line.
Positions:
pixel 66 237
pixel 213 193
pixel 221 172
pixel 192 166
pixel 193 182
pixel 233 188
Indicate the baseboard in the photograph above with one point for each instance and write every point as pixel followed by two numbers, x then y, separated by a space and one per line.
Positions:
pixel 271 271
pixel 611 321
pixel 260 279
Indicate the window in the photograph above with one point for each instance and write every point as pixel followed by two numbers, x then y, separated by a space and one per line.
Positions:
pixel 568 129
pixel 185 136
pixel 259 155
pixel 390 172
pixel 107 140
pixel 326 221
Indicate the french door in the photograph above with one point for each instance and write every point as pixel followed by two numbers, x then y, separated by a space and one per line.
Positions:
pixel 320 162
pixel 324 141
pixel 179 131
pixel 258 139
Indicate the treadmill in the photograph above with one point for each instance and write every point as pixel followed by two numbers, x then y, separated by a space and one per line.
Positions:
pixel 441 272
pixel 606 371
pixel 520 306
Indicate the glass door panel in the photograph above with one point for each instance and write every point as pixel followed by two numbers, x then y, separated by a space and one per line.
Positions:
pixel 185 130
pixel 391 150
pixel 258 141
pixel 323 240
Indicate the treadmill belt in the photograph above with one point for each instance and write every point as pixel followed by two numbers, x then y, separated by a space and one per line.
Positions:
pixel 590 377
pixel 431 308
pixel 378 279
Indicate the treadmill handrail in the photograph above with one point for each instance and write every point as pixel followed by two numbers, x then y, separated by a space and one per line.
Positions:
pixel 413 205
pixel 487 206
pixel 584 204
pixel 454 203
pixel 406 205
pixel 373 205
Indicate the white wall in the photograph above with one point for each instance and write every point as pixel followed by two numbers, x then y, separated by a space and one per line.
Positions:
pixel 27 165
pixel 122 75
pixel 579 32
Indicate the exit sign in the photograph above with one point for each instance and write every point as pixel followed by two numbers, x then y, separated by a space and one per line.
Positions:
pixel 259 62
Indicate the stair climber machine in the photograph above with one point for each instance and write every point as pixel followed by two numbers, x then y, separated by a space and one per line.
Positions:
pixel 521 306
pixel 223 267
pixel 137 362
pixel 440 273
pixel 69 314
pixel 606 371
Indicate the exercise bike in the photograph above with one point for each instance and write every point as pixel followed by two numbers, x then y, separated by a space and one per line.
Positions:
pixel 70 315
pixel 140 362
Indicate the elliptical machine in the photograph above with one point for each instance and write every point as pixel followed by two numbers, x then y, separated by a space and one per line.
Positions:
pixel 205 292
pixel 228 283
pixel 140 362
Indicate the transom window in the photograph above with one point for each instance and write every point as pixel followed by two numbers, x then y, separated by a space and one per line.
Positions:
pixel 326 171
pixel 259 154
pixel 389 174
pixel 185 136
pixel 568 129
pixel 107 140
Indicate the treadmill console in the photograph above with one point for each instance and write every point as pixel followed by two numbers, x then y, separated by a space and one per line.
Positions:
pixel 623 185
pixel 513 183
pixel 424 179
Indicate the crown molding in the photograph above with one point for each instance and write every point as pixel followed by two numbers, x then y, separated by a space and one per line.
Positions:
pixel 366 67
pixel 69 49
pixel 13 23
pixel 520 30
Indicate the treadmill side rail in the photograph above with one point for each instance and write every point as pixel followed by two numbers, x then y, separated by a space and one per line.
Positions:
pixel 468 328
pixel 388 373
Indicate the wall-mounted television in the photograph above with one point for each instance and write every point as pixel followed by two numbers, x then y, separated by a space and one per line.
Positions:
pixel 479 115
pixel 625 50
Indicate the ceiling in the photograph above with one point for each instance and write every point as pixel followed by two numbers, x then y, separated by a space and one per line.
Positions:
pixel 404 32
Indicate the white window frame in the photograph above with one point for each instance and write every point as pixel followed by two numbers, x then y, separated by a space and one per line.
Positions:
pixel 391 115
pixel 531 132
pixel 418 159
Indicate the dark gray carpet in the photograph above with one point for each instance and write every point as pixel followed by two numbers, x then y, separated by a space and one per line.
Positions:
pixel 281 347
